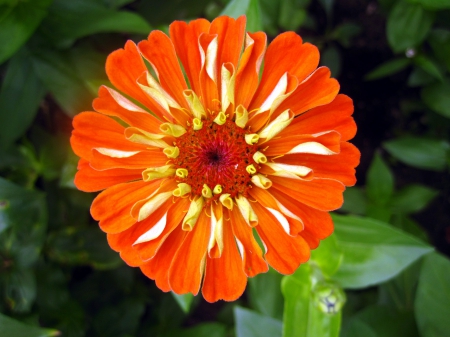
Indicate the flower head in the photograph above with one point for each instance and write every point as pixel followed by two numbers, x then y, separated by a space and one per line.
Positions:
pixel 195 169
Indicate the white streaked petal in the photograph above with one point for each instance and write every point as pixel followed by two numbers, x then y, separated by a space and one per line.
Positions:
pixel 153 204
pixel 216 236
pixel 153 232
pixel 241 248
pixel 311 147
pixel 211 59
pixel 280 89
pixel 288 213
pixel 298 170
pixel 281 219
pixel 277 125
pixel 228 83
pixel 115 153
pixel 137 135
pixel 124 102
pixel 192 214
pixel 246 210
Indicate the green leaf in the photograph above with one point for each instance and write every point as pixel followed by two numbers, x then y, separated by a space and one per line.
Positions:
pixel 419 152
pixel 306 310
pixel 71 20
pixel 201 330
pixel 354 201
pixel 437 98
pixel 373 251
pixel 184 301
pixel 358 328
pixel 433 296
pixel 419 78
pixel 291 16
pixel 380 181
pixel 11 327
pixel 407 26
pixel 412 199
pixel 388 68
pixel 328 256
pixel 439 40
pixel 236 8
pixel 345 32
pixel 265 294
pixel 20 290
pixel 20 96
pixel 429 66
pixel 17 24
pixel 433 4
pixel 251 324
pixel 331 58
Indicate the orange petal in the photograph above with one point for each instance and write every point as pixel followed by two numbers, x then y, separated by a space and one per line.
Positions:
pixel 209 88
pixel 247 77
pixel 333 116
pixel 186 270
pixel 112 207
pixel 321 194
pixel 175 215
pixel 224 276
pixel 339 166
pixel 286 53
pixel 158 267
pixel 160 52
pixel 185 39
pixel 92 130
pixel 111 103
pixel 316 222
pixel 89 180
pixel 124 67
pixel 283 252
pixel 318 89
pixel 252 260
pixel 140 160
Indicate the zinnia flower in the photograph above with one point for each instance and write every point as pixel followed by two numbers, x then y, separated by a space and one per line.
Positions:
pixel 209 173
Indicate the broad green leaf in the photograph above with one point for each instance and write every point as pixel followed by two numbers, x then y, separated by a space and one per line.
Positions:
pixel 328 256
pixel 419 78
pixel 291 16
pixel 201 330
pixel 433 4
pixel 251 324
pixel 433 297
pixel 11 327
pixel 439 40
pixel 419 152
pixel 388 68
pixel 412 198
pixel 20 290
pixel 358 328
pixel 236 8
pixel 437 97
pixel 270 10
pixel 379 181
pixel 373 251
pixel 265 294
pixel 20 96
pixel 184 301
pixel 354 201
pixel 312 307
pixel 331 58
pixel 17 24
pixel 379 212
pixel 71 20
pixel 407 26
pixel 406 224
pixel 429 66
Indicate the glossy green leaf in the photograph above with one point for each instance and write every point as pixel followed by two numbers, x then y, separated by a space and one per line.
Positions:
pixel 373 251
pixel 429 66
pixel 379 181
pixel 328 256
pixel 354 201
pixel 20 96
pixel 251 324
pixel 439 40
pixel 236 8
pixel 406 224
pixel 17 24
pixel 433 4
pixel 184 301
pixel 308 310
pixel 379 212
pixel 437 98
pixel 265 295
pixel 433 296
pixel 70 20
pixel 407 26
pixel 419 152
pixel 388 68
pixel 11 327
pixel 412 198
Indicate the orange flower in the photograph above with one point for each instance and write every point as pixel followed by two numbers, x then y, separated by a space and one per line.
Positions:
pixel 198 166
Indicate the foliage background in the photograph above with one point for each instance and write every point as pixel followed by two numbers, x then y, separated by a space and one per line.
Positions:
pixel 388 256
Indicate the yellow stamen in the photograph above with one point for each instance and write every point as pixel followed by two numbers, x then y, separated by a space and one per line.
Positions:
pixel 251 139
pixel 259 157
pixel 217 189
pixel 182 190
pixel 206 191
pixel 197 124
pixel 172 151
pixel 241 116
pixel 158 172
pixel 226 200
pixel 261 181
pixel 220 119
pixel 172 129
pixel 193 213
pixel 251 169
pixel 181 172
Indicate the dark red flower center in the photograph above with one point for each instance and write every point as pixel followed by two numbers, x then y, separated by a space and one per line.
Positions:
pixel 216 155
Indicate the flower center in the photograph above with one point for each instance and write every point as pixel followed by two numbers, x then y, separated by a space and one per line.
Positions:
pixel 216 155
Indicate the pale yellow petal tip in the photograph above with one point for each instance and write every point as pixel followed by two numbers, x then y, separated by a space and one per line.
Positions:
pixel 195 104
pixel 247 211
pixel 192 214
pixel 158 172
pixel 252 138
pixel 261 181
pixel 226 201
pixel 206 191
pixel 171 151
pixel 172 129
pixel 181 172
pixel 217 189
pixel 197 124
pixel 220 119
pixel 182 190
pixel 241 116
pixel 259 157
pixel 251 169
